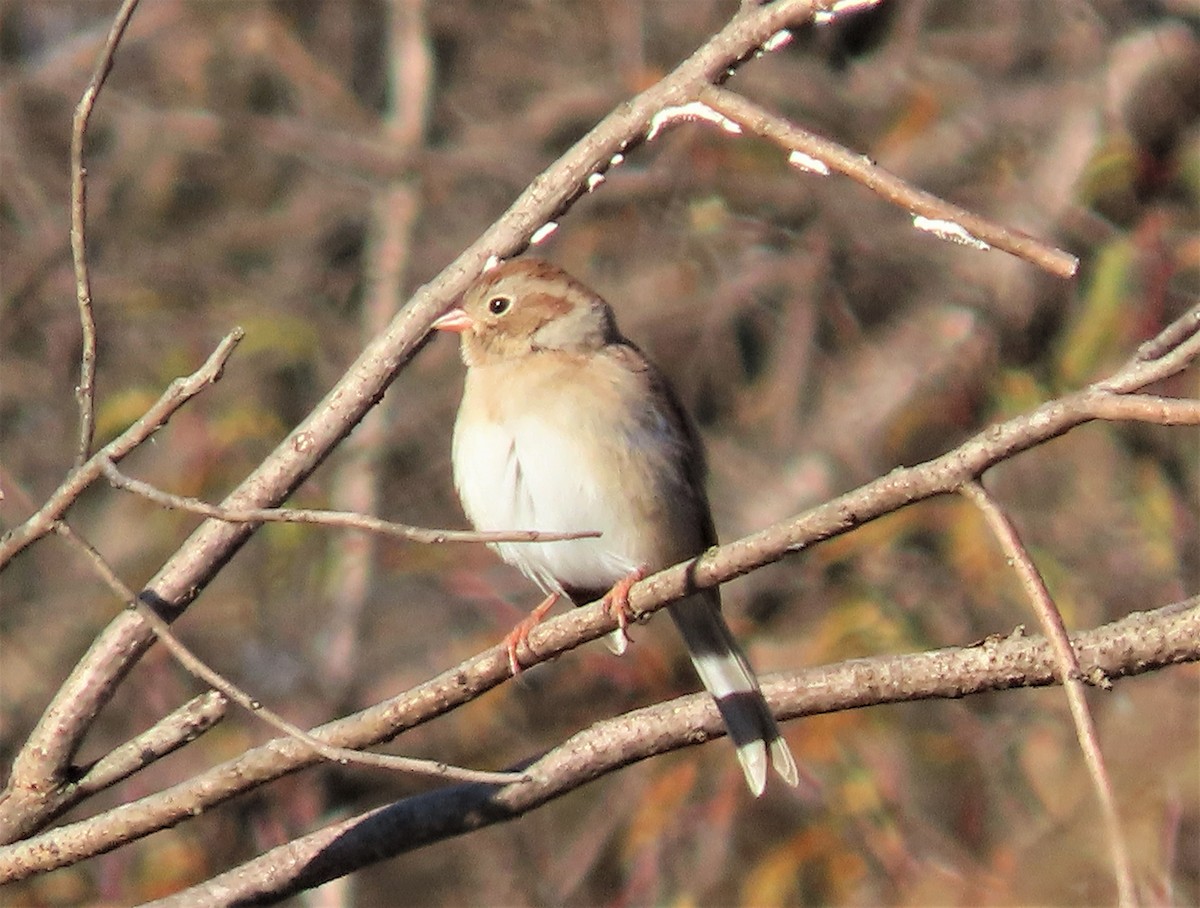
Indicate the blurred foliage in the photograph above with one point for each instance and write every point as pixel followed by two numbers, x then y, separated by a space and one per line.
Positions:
pixel 1094 340
pixel 233 163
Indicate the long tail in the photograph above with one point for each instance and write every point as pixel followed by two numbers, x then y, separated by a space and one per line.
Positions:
pixel 728 677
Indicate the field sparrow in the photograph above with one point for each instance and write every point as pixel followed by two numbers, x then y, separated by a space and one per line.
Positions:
pixel 565 426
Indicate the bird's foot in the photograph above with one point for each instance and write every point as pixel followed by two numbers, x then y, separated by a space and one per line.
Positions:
pixel 616 601
pixel 519 635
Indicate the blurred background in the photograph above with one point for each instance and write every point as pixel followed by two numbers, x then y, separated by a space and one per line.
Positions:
pixel 246 168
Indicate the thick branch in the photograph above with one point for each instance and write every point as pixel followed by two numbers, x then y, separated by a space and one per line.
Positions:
pixel 488 669
pixel 1137 643
pixel 46 753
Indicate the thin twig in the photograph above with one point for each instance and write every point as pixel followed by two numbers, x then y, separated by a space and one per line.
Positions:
pixel 180 727
pixel 201 670
pixel 1171 350
pixel 1171 337
pixel 1052 623
pixel 341 519
pixel 86 392
pixel 178 393
pixel 330 752
pixel 861 169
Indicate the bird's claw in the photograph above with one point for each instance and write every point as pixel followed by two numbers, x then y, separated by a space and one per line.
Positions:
pixel 519 635
pixel 616 601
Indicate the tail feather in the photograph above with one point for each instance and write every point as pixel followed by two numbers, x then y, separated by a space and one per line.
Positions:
pixel 729 679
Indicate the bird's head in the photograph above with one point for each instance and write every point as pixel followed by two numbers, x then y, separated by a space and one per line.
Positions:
pixel 524 306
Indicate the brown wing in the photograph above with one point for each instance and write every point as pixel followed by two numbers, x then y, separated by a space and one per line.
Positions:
pixel 719 661
pixel 687 454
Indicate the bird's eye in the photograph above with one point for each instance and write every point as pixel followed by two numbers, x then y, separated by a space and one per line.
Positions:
pixel 498 305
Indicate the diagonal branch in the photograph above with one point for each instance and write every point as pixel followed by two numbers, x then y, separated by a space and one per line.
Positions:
pixel 467 681
pixel 182 726
pixel 1069 674
pixel 178 393
pixel 939 216
pixel 46 753
pixel 1134 644
pixel 201 670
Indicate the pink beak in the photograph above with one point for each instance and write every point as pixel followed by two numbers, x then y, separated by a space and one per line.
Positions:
pixel 455 320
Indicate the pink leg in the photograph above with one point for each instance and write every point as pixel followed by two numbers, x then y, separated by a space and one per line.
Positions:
pixel 519 635
pixel 617 599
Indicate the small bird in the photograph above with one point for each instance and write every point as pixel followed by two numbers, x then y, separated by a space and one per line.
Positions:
pixel 565 426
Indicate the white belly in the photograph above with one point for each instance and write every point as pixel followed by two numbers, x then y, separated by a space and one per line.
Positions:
pixel 531 474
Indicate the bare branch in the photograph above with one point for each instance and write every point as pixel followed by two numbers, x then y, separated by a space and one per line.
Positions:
pixel 343 755
pixel 1172 338
pixel 1136 643
pixel 178 393
pixel 1163 411
pixel 943 475
pixel 188 571
pixel 904 485
pixel 396 208
pixel 862 170
pixel 1172 350
pixel 1069 674
pixel 182 726
pixel 341 519
pixel 86 392
pixel 50 802
pixel 201 670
